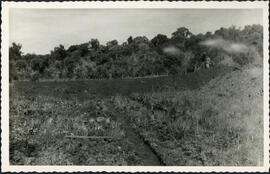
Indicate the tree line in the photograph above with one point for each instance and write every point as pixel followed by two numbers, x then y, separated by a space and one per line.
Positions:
pixel 137 57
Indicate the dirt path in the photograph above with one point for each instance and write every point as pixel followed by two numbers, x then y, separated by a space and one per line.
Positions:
pixel 142 149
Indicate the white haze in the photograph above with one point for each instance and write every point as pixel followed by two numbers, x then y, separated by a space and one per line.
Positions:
pixel 233 48
pixel 229 47
pixel 172 50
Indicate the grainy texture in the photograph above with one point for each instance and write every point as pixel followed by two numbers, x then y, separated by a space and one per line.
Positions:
pixel 219 123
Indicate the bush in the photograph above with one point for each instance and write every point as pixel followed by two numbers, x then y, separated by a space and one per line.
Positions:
pixel 34 77
pixel 244 58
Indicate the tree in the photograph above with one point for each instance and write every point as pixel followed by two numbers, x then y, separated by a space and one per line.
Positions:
pixel 15 52
pixel 70 62
pixel 114 49
pixel 180 37
pixel 181 33
pixel 94 44
pixel 59 53
pixel 20 65
pixel 112 43
pixel 38 64
pixel 69 67
pixel 137 56
pixel 140 39
pixel 186 61
pixel 159 40
pixel 130 40
pixel 173 62
pixel 253 36
pixel 193 45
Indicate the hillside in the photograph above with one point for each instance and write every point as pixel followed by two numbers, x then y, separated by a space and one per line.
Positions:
pixel 211 117
pixel 220 123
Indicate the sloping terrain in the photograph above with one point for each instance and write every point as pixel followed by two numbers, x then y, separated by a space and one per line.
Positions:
pixel 211 117
pixel 220 123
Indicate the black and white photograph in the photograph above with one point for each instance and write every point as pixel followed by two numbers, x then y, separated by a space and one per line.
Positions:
pixel 135 86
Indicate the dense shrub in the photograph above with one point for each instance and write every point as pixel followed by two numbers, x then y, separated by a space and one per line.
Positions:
pixel 137 57
pixel 244 58
pixel 34 77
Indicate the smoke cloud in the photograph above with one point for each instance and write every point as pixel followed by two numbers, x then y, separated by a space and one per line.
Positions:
pixel 229 47
pixel 171 50
pixel 234 48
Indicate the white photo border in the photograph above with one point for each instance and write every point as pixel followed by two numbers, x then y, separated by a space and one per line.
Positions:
pixel 6 167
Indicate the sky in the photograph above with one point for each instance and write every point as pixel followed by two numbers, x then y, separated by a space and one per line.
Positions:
pixel 40 30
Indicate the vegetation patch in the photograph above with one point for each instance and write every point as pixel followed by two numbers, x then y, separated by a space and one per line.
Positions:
pixel 218 124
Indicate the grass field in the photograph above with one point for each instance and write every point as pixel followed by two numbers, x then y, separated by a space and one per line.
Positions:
pixel 210 117
pixel 84 89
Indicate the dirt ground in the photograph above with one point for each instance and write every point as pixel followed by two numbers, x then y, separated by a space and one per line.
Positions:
pixel 153 121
